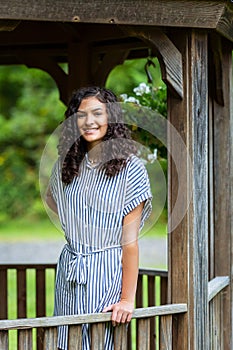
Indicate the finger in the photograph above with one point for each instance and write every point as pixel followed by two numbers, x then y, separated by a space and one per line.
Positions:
pixel 129 317
pixel 124 317
pixel 108 308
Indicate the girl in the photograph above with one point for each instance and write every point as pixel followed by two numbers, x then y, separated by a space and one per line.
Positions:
pixel 101 193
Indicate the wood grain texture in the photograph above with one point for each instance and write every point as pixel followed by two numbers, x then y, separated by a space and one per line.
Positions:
pixel 75 338
pixel 185 13
pixel 4 340
pixel 25 339
pixel 188 247
pixel 222 116
pixel 216 285
pixel 89 318
pixel 50 338
pixel 166 332
pixel 97 336
pixel 199 182
pixel 120 337
pixel 144 334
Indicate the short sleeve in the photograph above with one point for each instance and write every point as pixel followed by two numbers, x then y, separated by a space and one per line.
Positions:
pixel 138 189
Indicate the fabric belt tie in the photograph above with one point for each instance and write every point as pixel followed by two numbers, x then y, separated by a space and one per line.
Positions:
pixel 77 269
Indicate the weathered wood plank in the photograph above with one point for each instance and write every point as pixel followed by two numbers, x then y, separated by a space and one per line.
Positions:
pixel 223 175
pixel 4 340
pixel 75 338
pixel 50 338
pixel 152 302
pixel 97 336
pixel 144 334
pixel 183 13
pixel 165 339
pixel 163 290
pixel 216 285
pixel 25 339
pixel 40 303
pixel 21 293
pixel 199 182
pixel 188 249
pixel 3 294
pixel 89 318
pixel 120 337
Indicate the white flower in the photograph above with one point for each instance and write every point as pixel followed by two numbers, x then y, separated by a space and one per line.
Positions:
pixel 141 89
pixel 152 156
pixel 132 100
pixel 124 97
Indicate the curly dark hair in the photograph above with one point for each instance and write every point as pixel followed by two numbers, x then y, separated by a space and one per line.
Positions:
pixel 72 146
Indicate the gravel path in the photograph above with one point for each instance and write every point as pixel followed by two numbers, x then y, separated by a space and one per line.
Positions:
pixel 153 252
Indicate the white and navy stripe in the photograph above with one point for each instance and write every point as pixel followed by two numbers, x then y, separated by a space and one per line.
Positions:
pixel 91 210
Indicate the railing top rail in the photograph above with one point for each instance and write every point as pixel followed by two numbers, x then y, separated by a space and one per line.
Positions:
pixel 216 285
pixel 89 318
pixel 142 271
pixel 27 266
pixel 150 271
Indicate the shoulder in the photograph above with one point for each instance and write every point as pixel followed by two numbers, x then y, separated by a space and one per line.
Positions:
pixel 135 164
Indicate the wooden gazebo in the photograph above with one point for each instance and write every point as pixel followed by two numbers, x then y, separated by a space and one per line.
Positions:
pixel 193 42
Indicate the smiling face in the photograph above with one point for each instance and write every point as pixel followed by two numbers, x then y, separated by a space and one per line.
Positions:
pixel 92 121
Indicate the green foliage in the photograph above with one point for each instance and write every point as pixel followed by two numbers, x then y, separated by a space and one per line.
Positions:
pixel 30 110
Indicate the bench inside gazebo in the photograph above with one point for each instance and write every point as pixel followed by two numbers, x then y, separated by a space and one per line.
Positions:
pixel 190 305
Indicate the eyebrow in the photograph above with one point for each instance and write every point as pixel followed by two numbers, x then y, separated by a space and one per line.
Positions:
pixel 93 110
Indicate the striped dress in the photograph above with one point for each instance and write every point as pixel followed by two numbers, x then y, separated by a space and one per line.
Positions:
pixel 91 210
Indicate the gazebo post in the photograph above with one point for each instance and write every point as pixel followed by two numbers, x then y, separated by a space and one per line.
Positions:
pixel 188 241
pixel 221 110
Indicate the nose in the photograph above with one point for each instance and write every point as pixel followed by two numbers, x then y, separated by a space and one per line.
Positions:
pixel 89 119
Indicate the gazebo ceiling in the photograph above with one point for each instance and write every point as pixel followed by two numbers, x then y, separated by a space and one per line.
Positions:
pixel 53 38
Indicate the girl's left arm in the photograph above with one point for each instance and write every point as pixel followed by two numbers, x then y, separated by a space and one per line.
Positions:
pixel 123 310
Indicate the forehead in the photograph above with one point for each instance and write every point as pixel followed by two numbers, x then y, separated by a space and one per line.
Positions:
pixel 91 103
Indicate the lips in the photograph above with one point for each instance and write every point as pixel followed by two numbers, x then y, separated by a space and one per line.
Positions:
pixel 90 131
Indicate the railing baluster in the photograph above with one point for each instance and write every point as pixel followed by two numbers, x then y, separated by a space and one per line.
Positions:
pixel 25 339
pixel 50 338
pixel 165 332
pixel 139 302
pixel 75 338
pixel 97 336
pixel 144 334
pixel 3 294
pixel 152 302
pixel 40 303
pixel 163 290
pixel 120 337
pixel 4 340
pixel 21 293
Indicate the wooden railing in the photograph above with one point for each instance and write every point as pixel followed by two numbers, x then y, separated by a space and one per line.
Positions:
pixel 151 291
pixel 98 322
pixel 216 289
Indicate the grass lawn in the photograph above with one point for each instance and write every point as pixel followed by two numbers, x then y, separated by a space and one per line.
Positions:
pixel 27 229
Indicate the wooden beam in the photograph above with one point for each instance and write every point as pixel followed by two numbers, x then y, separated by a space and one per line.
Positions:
pixel 51 67
pixel 110 60
pixel 188 247
pixel 175 13
pixel 222 119
pixel 169 56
